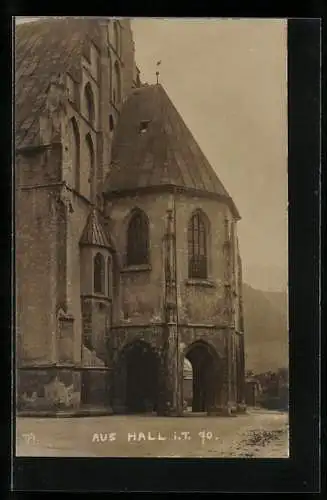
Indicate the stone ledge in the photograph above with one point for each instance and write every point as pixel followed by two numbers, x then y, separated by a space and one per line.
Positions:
pixel 96 296
pixel 200 282
pixel 136 268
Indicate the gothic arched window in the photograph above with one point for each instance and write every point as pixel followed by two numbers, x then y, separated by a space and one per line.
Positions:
pixel 74 144
pixel 197 247
pixel 111 123
pixel 138 239
pixel 109 273
pixel 89 160
pixel 89 103
pixel 99 274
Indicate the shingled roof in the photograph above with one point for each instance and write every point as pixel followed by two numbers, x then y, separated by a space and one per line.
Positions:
pixel 44 49
pixel 94 233
pixel 153 147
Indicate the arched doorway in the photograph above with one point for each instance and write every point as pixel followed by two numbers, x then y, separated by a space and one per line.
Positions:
pixel 206 378
pixel 141 367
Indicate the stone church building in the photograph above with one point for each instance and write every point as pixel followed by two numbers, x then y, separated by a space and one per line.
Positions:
pixel 127 258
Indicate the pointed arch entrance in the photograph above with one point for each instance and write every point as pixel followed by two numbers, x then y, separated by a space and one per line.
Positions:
pixel 206 376
pixel 138 367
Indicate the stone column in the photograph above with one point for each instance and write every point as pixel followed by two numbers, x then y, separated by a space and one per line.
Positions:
pixel 119 388
pixel 224 407
pixel 168 374
pixel 162 396
pixel 221 404
pixel 241 407
pixel 103 136
pixel 227 368
pixel 58 271
pixel 172 367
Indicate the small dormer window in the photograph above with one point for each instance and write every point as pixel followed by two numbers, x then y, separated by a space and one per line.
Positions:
pixel 144 126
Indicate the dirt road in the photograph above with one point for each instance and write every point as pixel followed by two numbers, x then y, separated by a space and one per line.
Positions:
pixel 258 433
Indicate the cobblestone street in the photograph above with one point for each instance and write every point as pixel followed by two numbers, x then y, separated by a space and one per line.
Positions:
pixel 258 433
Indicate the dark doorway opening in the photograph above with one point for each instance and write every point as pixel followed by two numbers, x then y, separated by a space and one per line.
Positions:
pixel 142 375
pixel 205 381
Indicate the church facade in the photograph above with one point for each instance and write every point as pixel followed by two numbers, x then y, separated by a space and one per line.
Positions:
pixel 127 257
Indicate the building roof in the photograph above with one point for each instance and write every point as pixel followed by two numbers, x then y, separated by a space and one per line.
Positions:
pixel 44 49
pixel 94 232
pixel 153 147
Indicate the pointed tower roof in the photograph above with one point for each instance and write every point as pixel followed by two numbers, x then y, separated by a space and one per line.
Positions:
pixel 94 233
pixel 153 147
pixel 44 49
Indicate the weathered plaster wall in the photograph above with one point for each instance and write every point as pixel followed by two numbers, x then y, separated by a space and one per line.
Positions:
pixel 48 389
pixel 36 278
pixel 142 290
pixel 201 301
pixel 38 166
pixel 38 220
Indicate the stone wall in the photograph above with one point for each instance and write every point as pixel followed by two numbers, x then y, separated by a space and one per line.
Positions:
pixel 48 389
pixel 38 166
pixel 123 335
pixel 215 338
pixel 37 223
pixel 49 224
pixel 142 289
pixel 96 326
pixel 53 389
pixel 95 389
pixel 225 383
pixel 202 301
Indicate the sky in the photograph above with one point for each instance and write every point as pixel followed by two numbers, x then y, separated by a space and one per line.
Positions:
pixel 228 80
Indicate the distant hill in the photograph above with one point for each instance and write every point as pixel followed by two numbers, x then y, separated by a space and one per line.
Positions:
pixel 266 277
pixel 266 329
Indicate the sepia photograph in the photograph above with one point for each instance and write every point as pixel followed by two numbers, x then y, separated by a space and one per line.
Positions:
pixel 151 237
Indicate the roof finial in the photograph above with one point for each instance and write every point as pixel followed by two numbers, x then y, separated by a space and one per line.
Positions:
pixel 157 72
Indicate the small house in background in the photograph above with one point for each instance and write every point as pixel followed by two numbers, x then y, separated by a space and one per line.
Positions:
pixel 187 383
pixel 252 391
